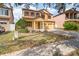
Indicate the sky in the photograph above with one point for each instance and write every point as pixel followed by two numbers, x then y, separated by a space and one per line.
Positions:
pixel 17 11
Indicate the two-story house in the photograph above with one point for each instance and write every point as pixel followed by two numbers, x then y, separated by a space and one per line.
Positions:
pixel 38 20
pixel 5 17
pixel 42 20
pixel 71 15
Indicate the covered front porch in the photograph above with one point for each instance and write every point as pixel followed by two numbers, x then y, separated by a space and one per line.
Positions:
pixel 41 25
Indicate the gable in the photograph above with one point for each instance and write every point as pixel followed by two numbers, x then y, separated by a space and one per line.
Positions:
pixel 68 11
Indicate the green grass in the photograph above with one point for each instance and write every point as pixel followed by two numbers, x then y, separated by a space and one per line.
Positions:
pixel 6 37
pixel 26 40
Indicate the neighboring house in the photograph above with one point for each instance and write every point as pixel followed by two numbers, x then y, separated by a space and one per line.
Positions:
pixel 5 17
pixel 71 15
pixel 40 20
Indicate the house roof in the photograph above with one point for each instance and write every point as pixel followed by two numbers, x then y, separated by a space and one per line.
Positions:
pixel 46 11
pixel 5 6
pixel 41 10
pixel 72 10
pixel 67 11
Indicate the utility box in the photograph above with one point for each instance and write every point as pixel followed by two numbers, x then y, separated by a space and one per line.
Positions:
pixel 12 27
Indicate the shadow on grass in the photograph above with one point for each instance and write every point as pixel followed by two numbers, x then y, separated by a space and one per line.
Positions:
pixel 21 37
pixel 4 33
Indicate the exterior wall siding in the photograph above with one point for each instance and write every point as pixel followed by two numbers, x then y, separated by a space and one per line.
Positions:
pixel 59 21
pixel 8 20
pixel 45 23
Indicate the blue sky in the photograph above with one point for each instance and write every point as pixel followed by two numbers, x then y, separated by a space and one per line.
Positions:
pixel 18 10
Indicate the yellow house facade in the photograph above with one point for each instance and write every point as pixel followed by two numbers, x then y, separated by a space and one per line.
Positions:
pixel 38 20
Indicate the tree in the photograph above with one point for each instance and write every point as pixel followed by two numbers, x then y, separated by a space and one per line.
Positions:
pixel 21 26
pixel 36 5
pixel 61 6
pixel 18 4
pixel 27 5
pixel 45 5
pixel 75 5
pixel 21 23
pixel 49 5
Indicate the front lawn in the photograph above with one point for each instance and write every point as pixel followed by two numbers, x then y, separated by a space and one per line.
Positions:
pixel 26 40
pixel 6 37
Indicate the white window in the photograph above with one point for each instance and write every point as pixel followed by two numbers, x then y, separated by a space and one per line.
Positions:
pixel 78 15
pixel 3 12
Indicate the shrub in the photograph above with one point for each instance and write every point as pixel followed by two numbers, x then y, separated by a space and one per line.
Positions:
pixel 78 26
pixel 23 30
pixel 21 24
pixel 70 26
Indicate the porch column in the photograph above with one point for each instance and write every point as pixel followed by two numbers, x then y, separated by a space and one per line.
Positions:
pixel 34 25
pixel 43 25
pixel 73 15
pixel 69 15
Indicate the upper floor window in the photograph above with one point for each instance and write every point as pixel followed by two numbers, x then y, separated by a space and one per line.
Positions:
pixel 26 14
pixel 3 11
pixel 78 16
pixel 32 13
pixel 37 14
